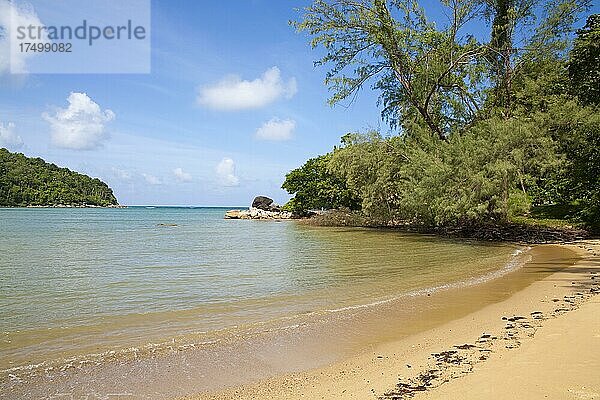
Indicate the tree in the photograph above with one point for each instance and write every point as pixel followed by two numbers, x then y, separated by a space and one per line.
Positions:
pixel 481 176
pixel 31 181
pixel 577 131
pixel 434 76
pixel 525 32
pixel 421 72
pixel 486 128
pixel 584 63
pixel 314 187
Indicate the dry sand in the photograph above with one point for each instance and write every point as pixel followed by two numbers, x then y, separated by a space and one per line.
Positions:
pixel 542 342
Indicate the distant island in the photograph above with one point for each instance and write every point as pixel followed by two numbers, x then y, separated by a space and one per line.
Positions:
pixel 26 181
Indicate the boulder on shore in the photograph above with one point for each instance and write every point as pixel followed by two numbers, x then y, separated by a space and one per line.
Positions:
pixel 265 203
pixel 262 202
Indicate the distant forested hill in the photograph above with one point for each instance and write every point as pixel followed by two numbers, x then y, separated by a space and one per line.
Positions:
pixel 28 181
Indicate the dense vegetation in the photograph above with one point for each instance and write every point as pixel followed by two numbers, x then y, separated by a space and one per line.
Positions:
pixel 33 182
pixel 482 131
pixel 316 188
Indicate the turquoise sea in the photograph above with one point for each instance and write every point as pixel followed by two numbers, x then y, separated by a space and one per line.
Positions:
pixel 77 284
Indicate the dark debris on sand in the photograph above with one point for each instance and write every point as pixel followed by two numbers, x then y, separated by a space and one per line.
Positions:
pixel 459 360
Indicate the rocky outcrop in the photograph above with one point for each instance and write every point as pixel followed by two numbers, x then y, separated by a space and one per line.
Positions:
pixel 262 207
pixel 265 203
pixel 257 213
pixel 262 202
pixel 234 214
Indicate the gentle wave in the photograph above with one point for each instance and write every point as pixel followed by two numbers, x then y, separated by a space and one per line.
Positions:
pixel 21 374
pixel 514 264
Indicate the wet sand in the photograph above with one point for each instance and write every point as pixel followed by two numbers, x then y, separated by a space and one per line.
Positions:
pixel 534 333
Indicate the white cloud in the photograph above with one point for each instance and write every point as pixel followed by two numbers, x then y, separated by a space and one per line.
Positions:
pixel 151 179
pixel 13 15
pixel 121 174
pixel 226 172
pixel 80 126
pixel 8 137
pixel 276 129
pixel 181 175
pixel 233 93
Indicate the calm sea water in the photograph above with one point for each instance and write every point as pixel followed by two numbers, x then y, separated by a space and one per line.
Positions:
pixel 81 282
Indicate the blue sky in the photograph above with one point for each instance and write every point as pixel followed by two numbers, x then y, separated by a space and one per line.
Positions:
pixel 232 103
pixel 159 127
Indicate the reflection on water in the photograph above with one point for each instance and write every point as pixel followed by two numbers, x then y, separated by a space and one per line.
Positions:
pixel 82 281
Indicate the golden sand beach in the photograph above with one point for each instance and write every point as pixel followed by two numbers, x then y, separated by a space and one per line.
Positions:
pixel 540 342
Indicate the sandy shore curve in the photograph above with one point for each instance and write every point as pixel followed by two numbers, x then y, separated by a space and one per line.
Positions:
pixel 543 341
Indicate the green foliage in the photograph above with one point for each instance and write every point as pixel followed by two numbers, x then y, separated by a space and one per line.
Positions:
pixel 423 73
pixel 519 203
pixel 314 187
pixel 31 181
pixel 577 130
pixel 542 84
pixel 436 75
pixel 552 216
pixel 524 33
pixel 490 173
pixel 514 134
pixel 564 212
pixel 584 63
pixel 477 177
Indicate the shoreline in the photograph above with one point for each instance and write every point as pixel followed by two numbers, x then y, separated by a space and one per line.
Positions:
pixel 312 348
pixel 313 329
pixel 432 364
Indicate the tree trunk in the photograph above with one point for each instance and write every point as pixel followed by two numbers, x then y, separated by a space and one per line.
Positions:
pixel 501 51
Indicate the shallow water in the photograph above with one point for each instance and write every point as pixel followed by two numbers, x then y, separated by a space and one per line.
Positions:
pixel 80 283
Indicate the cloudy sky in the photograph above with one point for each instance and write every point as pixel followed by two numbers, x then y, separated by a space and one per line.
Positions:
pixel 232 103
